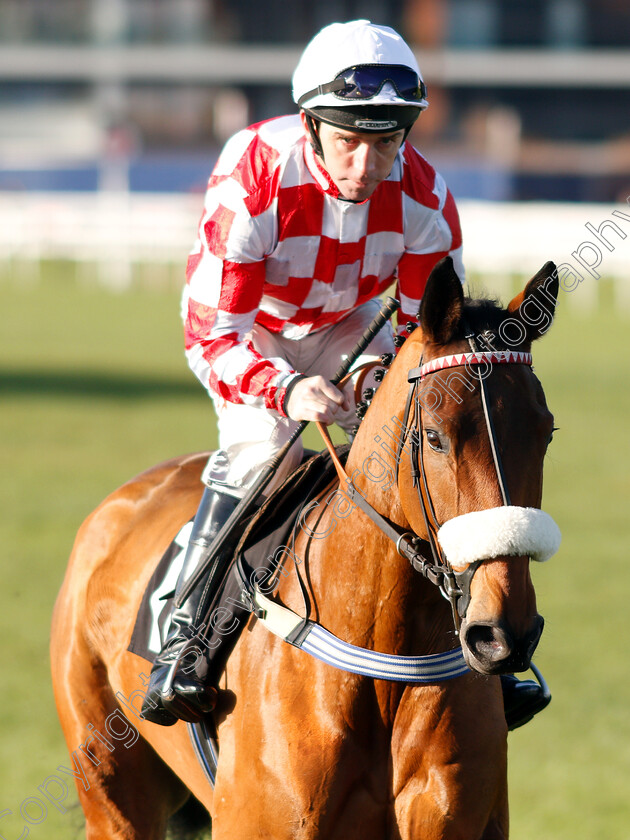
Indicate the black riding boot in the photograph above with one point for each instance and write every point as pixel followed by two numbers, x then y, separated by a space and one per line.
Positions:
pixel 187 698
pixel 522 699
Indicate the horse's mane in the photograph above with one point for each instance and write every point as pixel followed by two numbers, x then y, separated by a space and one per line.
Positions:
pixel 485 312
pixel 482 315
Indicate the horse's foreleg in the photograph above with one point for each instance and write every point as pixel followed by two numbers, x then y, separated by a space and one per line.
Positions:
pixel 499 824
pixel 423 816
pixel 449 753
pixel 125 790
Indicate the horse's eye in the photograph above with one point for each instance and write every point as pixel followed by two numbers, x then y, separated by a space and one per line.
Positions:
pixel 434 440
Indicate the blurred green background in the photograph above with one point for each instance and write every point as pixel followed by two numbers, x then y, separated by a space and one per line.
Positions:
pixel 94 388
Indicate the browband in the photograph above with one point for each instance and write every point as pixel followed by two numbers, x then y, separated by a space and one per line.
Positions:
pixel 492 357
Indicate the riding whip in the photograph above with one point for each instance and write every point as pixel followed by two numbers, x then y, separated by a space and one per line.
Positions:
pixel 247 503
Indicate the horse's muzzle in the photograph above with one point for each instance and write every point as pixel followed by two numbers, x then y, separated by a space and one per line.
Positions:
pixel 492 649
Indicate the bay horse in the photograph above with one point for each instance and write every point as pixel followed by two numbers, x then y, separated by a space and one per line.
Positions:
pixel 308 750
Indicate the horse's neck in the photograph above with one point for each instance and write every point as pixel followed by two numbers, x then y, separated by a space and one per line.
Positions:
pixel 364 591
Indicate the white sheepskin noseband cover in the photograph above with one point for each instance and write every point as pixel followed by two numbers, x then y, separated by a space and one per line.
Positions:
pixel 507 531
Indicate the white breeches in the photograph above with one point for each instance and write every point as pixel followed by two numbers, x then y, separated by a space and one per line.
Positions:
pixel 249 437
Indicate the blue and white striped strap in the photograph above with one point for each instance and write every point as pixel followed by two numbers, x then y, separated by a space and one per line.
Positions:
pixel 323 645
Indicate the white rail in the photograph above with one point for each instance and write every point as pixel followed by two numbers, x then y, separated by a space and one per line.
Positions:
pixel 253 64
pixel 115 231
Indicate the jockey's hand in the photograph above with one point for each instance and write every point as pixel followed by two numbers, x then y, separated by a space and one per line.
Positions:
pixel 314 398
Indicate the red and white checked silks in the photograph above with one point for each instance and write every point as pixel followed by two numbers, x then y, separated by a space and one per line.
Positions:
pixel 277 246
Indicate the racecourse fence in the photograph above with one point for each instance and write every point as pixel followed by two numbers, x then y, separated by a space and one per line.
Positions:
pixel 109 234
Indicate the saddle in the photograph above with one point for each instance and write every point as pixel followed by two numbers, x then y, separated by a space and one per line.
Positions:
pixel 260 553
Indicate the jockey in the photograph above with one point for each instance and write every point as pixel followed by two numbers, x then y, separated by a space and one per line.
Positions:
pixel 307 220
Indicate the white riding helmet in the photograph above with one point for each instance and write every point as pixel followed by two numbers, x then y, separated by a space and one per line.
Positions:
pixel 360 76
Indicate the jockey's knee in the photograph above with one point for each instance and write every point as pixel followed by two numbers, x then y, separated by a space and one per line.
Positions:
pixel 235 467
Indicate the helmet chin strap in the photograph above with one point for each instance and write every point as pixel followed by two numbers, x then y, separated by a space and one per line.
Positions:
pixel 313 131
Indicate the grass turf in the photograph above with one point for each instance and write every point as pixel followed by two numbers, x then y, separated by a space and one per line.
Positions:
pixel 95 388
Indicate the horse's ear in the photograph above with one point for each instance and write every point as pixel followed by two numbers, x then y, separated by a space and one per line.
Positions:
pixel 442 303
pixel 536 304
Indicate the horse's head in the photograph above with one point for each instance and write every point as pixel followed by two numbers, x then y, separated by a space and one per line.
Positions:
pixel 470 470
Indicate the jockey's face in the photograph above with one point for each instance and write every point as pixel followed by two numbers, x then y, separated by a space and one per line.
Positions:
pixel 357 162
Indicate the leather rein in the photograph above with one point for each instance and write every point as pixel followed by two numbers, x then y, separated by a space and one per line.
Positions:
pixel 453 584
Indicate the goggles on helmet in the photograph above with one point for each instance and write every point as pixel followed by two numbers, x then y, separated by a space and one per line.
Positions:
pixel 365 81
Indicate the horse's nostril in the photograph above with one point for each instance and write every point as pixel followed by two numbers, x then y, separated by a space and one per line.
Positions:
pixel 492 649
pixel 487 642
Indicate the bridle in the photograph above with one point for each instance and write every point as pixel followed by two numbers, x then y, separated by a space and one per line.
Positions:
pixel 453 583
